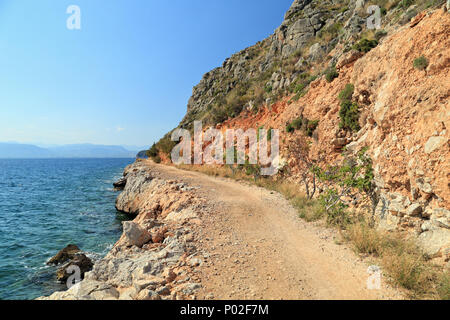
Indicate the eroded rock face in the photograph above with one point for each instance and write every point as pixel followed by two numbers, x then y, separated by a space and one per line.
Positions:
pixel 120 184
pixel 151 259
pixel 404 120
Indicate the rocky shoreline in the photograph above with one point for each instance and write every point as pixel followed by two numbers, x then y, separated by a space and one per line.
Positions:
pixel 155 258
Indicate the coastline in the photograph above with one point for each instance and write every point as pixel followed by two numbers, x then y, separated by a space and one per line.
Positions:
pixel 196 237
pixel 154 259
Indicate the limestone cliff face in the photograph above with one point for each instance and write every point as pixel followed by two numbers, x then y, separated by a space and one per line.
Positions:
pixel 261 64
pixel 262 73
pixel 404 111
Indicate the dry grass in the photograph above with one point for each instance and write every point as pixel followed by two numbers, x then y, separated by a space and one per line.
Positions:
pixel 402 260
pixel 364 239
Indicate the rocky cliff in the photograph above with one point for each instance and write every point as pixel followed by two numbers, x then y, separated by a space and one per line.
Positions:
pixel 399 80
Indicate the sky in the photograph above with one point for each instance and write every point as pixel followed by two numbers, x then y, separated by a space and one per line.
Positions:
pixel 125 77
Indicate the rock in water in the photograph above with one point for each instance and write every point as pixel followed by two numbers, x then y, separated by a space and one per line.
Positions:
pixel 79 260
pixel 68 253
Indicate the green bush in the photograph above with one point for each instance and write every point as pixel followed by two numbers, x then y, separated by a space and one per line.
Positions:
pixel 300 87
pixel 297 123
pixel 405 3
pixel 331 74
pixel 420 63
pixel 152 152
pixel 365 45
pixel 269 134
pixel 349 115
pixel 308 126
pixel 166 144
pixel 157 159
pixel 347 93
pixel 349 112
pixel 218 115
pixel 380 34
pixel 289 128
pixel 311 127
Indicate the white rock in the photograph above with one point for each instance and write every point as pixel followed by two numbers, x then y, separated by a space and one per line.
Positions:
pixel 434 143
pixel 134 234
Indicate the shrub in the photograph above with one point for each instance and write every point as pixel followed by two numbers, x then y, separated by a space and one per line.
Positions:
pixel 166 144
pixel 420 63
pixel 157 159
pixel 153 151
pixel 347 93
pixel 331 74
pixel 300 87
pixel 297 123
pixel 365 45
pixel 309 210
pixel 380 34
pixel 289 128
pixel 308 126
pixel 405 4
pixel 330 33
pixel 349 112
pixel 311 127
pixel 349 115
pixel 219 115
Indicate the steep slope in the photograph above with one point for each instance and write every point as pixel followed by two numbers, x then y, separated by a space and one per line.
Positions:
pixel 397 108
pixel 404 116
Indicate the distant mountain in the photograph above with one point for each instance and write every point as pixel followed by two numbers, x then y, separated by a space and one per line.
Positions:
pixel 16 150
pixel 135 148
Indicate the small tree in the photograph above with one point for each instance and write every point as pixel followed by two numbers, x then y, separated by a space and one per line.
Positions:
pixel 300 150
pixel 355 175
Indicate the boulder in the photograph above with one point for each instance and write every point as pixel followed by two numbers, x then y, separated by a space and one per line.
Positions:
pixel 68 253
pixel 134 234
pixel 81 261
pixel 434 143
pixel 424 186
pixel 414 210
pixel 435 241
pixel 147 294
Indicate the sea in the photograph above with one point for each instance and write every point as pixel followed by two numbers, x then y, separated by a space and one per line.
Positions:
pixel 46 204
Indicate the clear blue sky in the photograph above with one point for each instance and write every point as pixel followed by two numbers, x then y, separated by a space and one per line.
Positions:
pixel 126 76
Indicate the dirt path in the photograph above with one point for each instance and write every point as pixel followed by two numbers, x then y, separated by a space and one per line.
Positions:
pixel 256 247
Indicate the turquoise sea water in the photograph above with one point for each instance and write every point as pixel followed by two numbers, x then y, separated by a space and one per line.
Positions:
pixel 47 204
